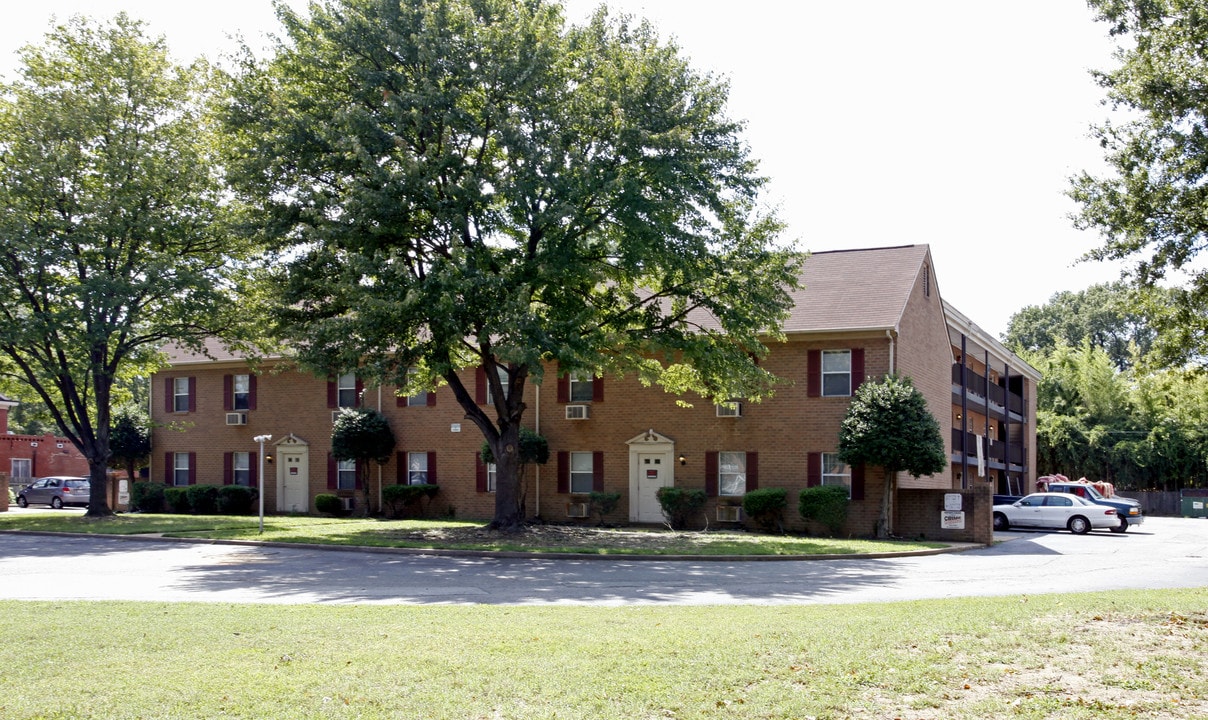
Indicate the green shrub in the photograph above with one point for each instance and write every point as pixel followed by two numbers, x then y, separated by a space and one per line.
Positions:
pixel 602 503
pixel 766 507
pixel 398 497
pixel 147 497
pixel 329 504
pixel 680 505
pixel 176 499
pixel 826 504
pixel 235 499
pixel 203 499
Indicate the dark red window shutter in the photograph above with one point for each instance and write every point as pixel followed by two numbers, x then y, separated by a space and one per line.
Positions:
pixel 192 394
pixel 564 389
pixel 192 466
pixel 857 368
pixel 228 466
pixel 228 393
pixel 711 471
pixel 358 469
pixel 169 396
pixel 597 389
pixel 431 398
pixel 813 476
pixel 333 394
pixel 253 471
pixel 480 474
pixel 169 468
pixel 813 373
pixel 400 469
pixel 332 472
pixel 597 471
pixel 480 386
pixel 400 400
pixel 752 471
pixel 251 392
pixel 857 482
pixel 360 390
pixel 563 471
pixel 431 468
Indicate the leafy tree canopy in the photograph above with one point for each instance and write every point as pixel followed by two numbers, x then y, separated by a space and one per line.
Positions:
pixel 1110 316
pixel 110 215
pixel 362 434
pixel 473 183
pixel 1151 207
pixel 889 425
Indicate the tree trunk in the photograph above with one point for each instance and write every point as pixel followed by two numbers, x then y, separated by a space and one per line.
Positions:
pixel 98 495
pixel 506 450
pixel 884 528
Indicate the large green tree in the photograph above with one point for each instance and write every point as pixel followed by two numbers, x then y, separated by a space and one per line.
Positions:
pixel 110 240
pixel 889 425
pixel 475 184
pixel 1110 316
pixel 1151 205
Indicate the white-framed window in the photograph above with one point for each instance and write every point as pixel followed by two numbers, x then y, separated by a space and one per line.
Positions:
pixel 582 473
pixel 346 474
pixel 241 392
pixel 836 373
pixel 241 468
pixel 180 394
pixel 346 390
pixel 835 471
pixel 492 474
pixel 731 474
pixel 417 468
pixel 503 383
pixel 22 469
pixel 581 387
pixel 180 468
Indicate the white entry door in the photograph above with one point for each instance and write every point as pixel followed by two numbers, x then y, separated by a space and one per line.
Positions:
pixel 293 480
pixel 653 472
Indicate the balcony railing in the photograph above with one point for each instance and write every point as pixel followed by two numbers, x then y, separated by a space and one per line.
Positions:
pixel 995 451
pixel 977 386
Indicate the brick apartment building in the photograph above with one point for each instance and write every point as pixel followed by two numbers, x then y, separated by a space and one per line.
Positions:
pixel 28 456
pixel 860 314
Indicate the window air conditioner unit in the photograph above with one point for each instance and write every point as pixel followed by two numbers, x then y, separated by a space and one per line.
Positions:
pixel 729 409
pixel 348 502
pixel 729 513
pixel 236 418
pixel 576 510
pixel 335 415
pixel 578 412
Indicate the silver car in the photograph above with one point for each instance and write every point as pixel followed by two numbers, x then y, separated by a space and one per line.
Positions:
pixel 56 491
pixel 1055 511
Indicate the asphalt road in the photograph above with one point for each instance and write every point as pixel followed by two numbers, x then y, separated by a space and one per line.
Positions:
pixel 1163 553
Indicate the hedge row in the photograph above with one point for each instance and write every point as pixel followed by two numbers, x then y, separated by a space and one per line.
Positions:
pixel 152 497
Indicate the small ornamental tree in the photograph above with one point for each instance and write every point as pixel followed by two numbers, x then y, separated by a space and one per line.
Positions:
pixel 362 434
pixel 888 425
pixel 130 440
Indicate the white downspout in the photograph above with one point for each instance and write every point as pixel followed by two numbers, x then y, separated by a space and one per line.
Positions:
pixel 379 467
pixel 537 429
pixel 890 334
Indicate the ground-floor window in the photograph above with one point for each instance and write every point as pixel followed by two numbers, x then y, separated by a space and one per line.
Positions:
pixel 180 468
pixel 835 471
pixel 417 468
pixel 581 472
pixel 241 468
pixel 731 473
pixel 346 475
pixel 22 469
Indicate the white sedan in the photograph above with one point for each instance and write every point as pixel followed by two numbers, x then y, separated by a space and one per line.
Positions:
pixel 1055 511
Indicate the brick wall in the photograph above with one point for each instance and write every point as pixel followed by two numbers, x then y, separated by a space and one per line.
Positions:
pixel 918 514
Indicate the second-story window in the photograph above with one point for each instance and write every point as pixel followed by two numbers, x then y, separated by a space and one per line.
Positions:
pixel 241 392
pixel 346 391
pixel 581 388
pixel 180 394
pixel 836 373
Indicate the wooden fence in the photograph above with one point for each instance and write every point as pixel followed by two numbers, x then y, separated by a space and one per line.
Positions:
pixel 1162 502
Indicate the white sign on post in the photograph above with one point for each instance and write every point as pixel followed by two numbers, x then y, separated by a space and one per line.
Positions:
pixel 952 520
pixel 952 502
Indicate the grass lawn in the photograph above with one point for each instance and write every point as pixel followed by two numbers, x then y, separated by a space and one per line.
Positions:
pixel 1135 654
pixel 462 535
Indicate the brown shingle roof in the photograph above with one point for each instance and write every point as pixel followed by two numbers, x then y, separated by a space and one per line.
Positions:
pixel 855 289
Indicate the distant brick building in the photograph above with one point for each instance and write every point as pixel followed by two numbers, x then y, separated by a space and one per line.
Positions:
pixel 29 456
pixel 861 314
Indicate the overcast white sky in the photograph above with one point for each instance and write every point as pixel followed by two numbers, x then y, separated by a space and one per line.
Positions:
pixel 946 122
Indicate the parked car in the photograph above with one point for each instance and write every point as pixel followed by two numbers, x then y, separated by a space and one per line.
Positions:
pixel 1058 511
pixel 56 491
pixel 1128 511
